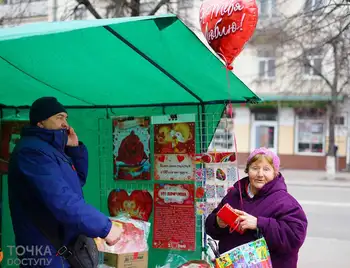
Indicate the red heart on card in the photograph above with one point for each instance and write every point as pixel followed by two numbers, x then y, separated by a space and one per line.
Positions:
pixel 161 158
pixel 180 158
pixel 138 204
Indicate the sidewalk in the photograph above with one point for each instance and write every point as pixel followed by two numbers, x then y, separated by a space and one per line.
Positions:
pixel 312 178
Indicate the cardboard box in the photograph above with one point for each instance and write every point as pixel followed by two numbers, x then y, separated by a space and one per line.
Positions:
pixel 127 260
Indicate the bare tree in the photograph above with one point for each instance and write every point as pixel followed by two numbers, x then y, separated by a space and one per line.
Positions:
pixel 313 50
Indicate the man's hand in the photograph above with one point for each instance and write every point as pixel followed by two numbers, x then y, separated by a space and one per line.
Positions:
pixel 72 138
pixel 114 235
pixel 246 221
pixel 220 222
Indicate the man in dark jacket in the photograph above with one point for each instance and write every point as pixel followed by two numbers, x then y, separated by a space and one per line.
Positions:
pixel 47 171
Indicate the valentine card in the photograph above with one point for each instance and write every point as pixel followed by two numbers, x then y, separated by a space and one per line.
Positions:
pixel 138 205
pixel 131 150
pixel 174 217
pixel 174 138
pixel 173 167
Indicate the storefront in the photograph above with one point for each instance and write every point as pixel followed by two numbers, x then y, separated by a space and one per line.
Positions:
pixel 296 130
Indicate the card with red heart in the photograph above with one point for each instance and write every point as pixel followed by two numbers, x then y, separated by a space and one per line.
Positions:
pixel 131 149
pixel 138 204
pixel 174 167
pixel 176 138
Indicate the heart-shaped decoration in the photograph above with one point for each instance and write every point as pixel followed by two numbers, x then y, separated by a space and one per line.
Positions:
pixel 180 158
pixel 227 25
pixel 138 205
pixel 200 192
pixel 161 158
pixel 206 158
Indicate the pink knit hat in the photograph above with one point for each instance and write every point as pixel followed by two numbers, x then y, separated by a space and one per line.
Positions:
pixel 267 152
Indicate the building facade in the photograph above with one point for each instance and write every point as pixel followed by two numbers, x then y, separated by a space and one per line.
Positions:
pixel 296 130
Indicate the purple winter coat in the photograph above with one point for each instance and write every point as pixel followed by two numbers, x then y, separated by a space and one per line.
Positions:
pixel 281 220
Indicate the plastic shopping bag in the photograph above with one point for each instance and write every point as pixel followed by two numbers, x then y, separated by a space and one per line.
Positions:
pixel 254 254
pixel 133 238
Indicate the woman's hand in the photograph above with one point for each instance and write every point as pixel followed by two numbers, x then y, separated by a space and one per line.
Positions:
pixel 220 222
pixel 246 221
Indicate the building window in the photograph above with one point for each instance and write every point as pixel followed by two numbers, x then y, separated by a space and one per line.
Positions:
pixel 268 116
pixel 223 137
pixel 340 120
pixel 267 8
pixel 313 63
pixel 267 64
pixel 310 135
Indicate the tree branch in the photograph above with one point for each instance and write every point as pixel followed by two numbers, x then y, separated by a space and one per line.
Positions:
pixel 89 7
pixel 157 7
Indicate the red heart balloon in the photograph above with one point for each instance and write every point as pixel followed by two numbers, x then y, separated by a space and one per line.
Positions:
pixel 228 25
pixel 139 204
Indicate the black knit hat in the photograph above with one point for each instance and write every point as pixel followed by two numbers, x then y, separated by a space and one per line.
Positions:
pixel 44 108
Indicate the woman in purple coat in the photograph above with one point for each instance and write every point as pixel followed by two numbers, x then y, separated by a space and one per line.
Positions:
pixel 265 208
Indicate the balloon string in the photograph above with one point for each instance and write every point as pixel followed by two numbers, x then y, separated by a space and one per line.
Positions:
pixel 230 113
pixel 237 170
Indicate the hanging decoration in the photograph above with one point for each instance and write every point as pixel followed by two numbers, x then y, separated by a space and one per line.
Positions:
pixel 174 146
pixel 228 25
pixel 131 150
pixel 215 157
pixel 174 224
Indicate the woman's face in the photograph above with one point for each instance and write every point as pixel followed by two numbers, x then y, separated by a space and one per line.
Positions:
pixel 260 172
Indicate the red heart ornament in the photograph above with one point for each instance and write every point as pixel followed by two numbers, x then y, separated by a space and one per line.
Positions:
pixel 138 205
pixel 206 158
pixel 180 158
pixel 200 192
pixel 227 25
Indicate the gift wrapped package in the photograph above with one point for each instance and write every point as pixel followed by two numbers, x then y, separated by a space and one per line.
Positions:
pixel 133 236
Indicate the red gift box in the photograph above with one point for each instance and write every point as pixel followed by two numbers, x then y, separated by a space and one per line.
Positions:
pixel 228 216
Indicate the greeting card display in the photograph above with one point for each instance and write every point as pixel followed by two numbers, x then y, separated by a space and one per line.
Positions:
pixel 250 255
pixel 174 146
pixel 131 149
pixel 138 205
pixel 172 204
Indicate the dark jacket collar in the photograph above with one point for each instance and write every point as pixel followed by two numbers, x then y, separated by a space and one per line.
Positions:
pixel 57 138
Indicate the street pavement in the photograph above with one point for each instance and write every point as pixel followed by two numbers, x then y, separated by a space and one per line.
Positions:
pixel 327 205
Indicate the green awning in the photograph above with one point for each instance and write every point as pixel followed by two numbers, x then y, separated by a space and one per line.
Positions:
pixel 138 61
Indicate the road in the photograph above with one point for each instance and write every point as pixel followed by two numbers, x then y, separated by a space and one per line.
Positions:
pixel 328 240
